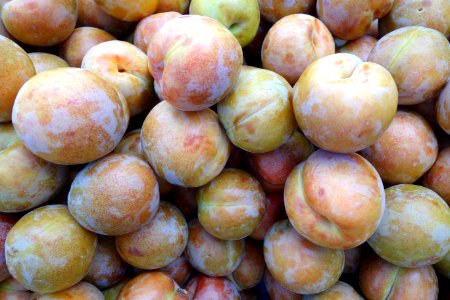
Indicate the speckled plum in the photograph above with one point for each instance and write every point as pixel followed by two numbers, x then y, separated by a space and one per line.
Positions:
pixel 185 148
pixel 179 270
pixel 194 73
pixel 80 41
pixel 443 109
pixel 40 22
pixel 335 200
pixel 115 195
pixel 107 268
pixel 438 177
pixel 405 151
pixel 277 291
pixel 231 205
pixel 128 10
pixel 343 104
pixel 274 10
pixel 432 14
pixel 415 229
pixel 203 287
pixel 158 243
pixel 210 255
pixel 257 114
pixel 293 43
pixel 131 144
pixel 339 291
pixel 299 265
pixel 147 27
pixel 349 20
pixel 6 223
pixel 92 15
pixel 48 251
pixel 82 290
pixel 124 66
pixel 360 47
pixel 251 269
pixel 379 279
pixel 419 60
pixel 26 180
pixel 17 68
pixel 83 120
pixel 274 208
pixel 272 168
pixel 45 61
pixel 152 286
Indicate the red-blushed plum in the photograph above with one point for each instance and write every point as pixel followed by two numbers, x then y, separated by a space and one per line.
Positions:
pixel 419 60
pixel 274 208
pixel 158 243
pixel 438 177
pixel 179 270
pixel 443 109
pixel 379 279
pixel 80 41
pixel 40 22
pixel 17 68
pixel 257 114
pixel 274 10
pixel 210 255
pixel 128 10
pixel 299 265
pixel 353 259
pixel 92 15
pixel 194 73
pixel 360 47
pixel 335 200
pixel 48 251
pixel 185 148
pixel 84 119
pixel 107 268
pixel 180 6
pixel 105 201
pixel 251 269
pixel 272 168
pixel 432 14
pixel 241 17
pixel 443 266
pixel 277 291
pixel 6 223
pixel 415 229
pixel 82 290
pixel 293 43
pixel 124 66
pixel 26 180
pixel 45 61
pixel 11 289
pixel 405 151
pixel 231 205
pixel 131 144
pixel 152 286
pixel 203 287
pixel 339 291
pixel 343 104
pixel 114 291
pixel 349 20
pixel 147 27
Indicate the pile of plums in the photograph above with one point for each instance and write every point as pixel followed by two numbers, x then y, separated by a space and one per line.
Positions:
pixel 224 149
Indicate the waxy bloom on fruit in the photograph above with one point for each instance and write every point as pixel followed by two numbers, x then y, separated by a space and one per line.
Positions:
pixel 194 73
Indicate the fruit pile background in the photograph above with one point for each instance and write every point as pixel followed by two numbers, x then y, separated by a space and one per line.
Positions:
pixel 224 149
